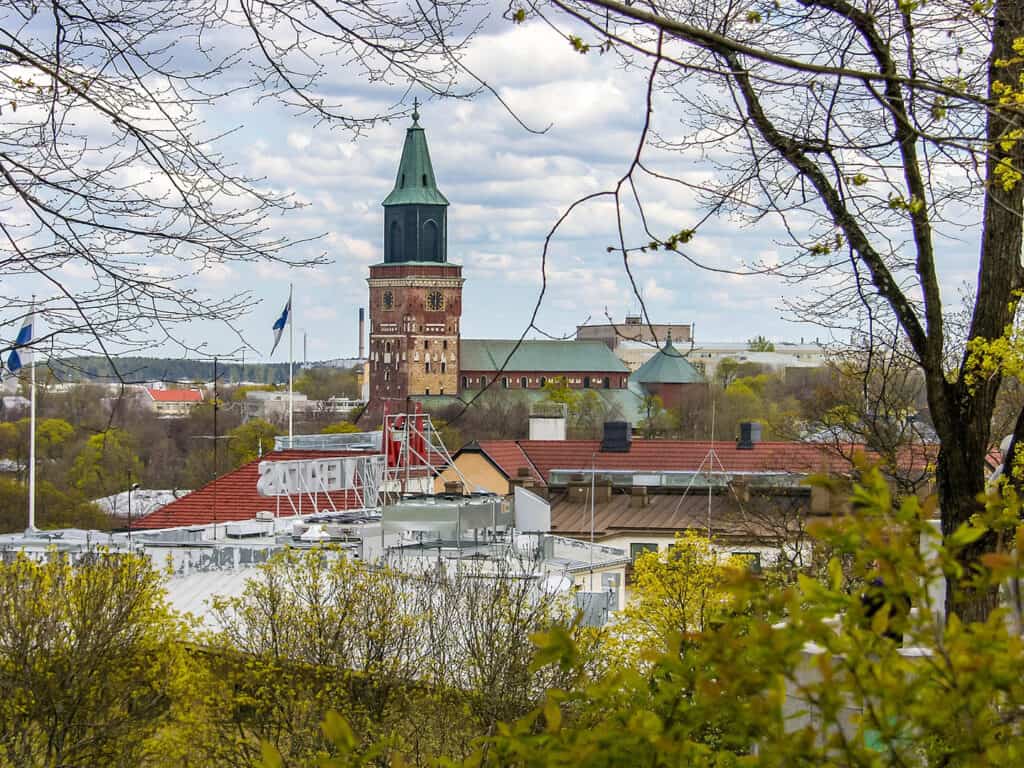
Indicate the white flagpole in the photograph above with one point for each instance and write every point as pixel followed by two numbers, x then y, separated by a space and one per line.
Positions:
pixel 291 360
pixel 32 439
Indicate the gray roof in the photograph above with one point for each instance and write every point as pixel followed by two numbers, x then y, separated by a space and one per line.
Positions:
pixel 542 355
pixel 667 366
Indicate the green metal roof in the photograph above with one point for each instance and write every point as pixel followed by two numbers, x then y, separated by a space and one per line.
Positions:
pixel 415 182
pixel 624 404
pixel 539 355
pixel 668 366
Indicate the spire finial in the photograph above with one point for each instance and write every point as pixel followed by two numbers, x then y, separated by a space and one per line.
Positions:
pixel 668 339
pixel 415 110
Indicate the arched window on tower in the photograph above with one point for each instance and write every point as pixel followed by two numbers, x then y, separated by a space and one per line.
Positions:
pixel 395 242
pixel 431 241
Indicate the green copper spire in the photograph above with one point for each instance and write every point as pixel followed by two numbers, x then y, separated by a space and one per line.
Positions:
pixel 415 183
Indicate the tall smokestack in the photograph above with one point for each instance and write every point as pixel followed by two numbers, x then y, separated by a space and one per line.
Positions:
pixel 362 333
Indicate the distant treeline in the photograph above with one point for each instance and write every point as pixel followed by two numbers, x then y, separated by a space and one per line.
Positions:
pixel 139 369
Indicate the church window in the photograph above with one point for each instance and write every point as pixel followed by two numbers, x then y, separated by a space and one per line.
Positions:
pixel 395 243
pixel 388 300
pixel 431 241
pixel 435 301
pixel 387 346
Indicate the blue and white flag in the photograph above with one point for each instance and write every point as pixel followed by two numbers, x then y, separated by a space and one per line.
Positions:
pixel 281 322
pixel 19 358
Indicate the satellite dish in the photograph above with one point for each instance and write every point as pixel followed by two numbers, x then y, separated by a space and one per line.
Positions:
pixel 555 583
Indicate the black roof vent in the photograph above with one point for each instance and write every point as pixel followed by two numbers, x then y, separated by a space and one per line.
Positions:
pixel 750 435
pixel 618 435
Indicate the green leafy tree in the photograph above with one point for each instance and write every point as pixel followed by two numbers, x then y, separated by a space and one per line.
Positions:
pixel 760 344
pixel 322 383
pixel 55 508
pixel 677 590
pixel 340 428
pixel 250 440
pixel 106 464
pixel 89 657
pixel 827 685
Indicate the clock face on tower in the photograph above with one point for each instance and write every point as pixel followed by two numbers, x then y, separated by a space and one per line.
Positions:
pixel 435 301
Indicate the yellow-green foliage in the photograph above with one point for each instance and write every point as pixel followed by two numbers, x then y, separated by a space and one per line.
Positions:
pixel 88 658
pixel 732 694
pixel 678 590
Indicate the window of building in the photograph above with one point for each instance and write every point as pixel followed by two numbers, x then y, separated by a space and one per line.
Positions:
pixel 752 560
pixel 426 344
pixel 443 366
pixel 426 366
pixel 543 381
pixel 637 548
pixel 607 383
pixel 426 391
pixel 440 391
pixel 504 382
pixel 524 382
pixel 465 382
pixel 387 346
pixel 388 300
pixel 444 344
pixel 586 382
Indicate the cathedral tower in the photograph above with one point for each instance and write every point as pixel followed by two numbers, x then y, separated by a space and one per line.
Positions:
pixel 415 294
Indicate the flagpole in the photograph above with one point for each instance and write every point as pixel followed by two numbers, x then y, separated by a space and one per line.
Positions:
pixel 32 441
pixel 291 360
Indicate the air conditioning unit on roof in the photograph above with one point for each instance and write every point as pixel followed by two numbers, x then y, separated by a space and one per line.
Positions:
pixel 265 516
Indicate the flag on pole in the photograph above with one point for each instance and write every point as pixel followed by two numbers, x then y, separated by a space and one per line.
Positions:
pixel 18 358
pixel 281 322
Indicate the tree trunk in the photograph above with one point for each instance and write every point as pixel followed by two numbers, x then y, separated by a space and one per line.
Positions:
pixel 963 414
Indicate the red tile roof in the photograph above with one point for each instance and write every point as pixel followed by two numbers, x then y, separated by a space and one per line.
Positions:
pixel 175 395
pixel 508 456
pixel 543 456
pixel 233 497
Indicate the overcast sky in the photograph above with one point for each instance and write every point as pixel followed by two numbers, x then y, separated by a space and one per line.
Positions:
pixel 507 187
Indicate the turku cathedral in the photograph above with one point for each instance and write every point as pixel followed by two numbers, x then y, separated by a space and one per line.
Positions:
pixel 416 351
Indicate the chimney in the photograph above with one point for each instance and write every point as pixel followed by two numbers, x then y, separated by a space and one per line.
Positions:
pixel 750 435
pixel 523 478
pixel 618 435
pixel 638 497
pixel 453 487
pixel 362 333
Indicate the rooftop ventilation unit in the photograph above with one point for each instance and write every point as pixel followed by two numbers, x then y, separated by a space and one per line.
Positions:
pixel 618 436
